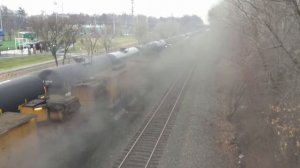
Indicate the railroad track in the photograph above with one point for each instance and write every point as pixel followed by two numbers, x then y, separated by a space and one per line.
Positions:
pixel 24 71
pixel 146 148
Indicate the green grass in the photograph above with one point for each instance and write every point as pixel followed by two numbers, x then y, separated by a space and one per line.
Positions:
pixel 117 42
pixel 7 45
pixel 123 41
pixel 10 63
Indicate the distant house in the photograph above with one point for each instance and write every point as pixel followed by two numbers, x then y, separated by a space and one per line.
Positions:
pixel 25 39
pixel 91 28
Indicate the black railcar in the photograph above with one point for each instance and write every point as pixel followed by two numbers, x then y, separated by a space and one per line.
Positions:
pixel 15 92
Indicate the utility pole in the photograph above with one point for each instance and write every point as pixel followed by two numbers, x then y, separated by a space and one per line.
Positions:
pixel 55 4
pixel 132 8
pixel 1 18
pixel 114 25
pixel 132 16
pixel 62 6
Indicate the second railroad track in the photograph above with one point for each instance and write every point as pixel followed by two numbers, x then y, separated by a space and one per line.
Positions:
pixel 146 148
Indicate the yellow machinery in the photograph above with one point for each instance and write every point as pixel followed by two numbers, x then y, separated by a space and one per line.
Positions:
pixel 61 108
pixel 37 107
pixel 54 107
pixel 107 82
pixel 112 86
pixel 113 91
pixel 15 127
pixel 88 91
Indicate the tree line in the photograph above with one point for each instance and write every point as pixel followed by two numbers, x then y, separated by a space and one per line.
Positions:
pixel 262 41
pixel 61 31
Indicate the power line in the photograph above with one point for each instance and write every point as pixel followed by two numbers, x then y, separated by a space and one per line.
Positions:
pixel 132 7
pixel 1 18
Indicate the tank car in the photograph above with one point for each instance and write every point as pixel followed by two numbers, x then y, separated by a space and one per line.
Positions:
pixel 153 47
pixel 118 58
pixel 17 91
pixel 60 80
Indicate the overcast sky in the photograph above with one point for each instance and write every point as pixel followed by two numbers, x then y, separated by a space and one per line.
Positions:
pixel 155 8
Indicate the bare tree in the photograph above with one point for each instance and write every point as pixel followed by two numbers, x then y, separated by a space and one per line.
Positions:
pixel 70 35
pixel 106 38
pixel 35 23
pixel 9 19
pixel 21 17
pixel 52 32
pixel 90 39
pixel 268 34
pixel 141 29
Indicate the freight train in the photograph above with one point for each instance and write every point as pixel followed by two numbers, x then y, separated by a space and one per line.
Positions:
pixel 56 94
pixel 33 93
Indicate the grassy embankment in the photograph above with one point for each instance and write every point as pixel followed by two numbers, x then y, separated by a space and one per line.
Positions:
pixel 11 63
pixel 7 45
pixel 117 42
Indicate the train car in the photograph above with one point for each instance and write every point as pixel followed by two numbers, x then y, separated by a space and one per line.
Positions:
pixel 131 51
pixel 16 92
pixel 123 54
pixel 60 80
pixel 15 127
pixel 118 58
pixel 162 43
pixel 99 65
pixel 153 47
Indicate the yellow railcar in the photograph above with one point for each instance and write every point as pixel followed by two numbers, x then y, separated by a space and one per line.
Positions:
pixel 14 128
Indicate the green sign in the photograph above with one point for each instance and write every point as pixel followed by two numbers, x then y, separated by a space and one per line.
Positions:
pixel 30 36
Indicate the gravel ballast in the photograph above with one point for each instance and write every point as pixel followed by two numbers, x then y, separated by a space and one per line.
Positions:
pixel 192 141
